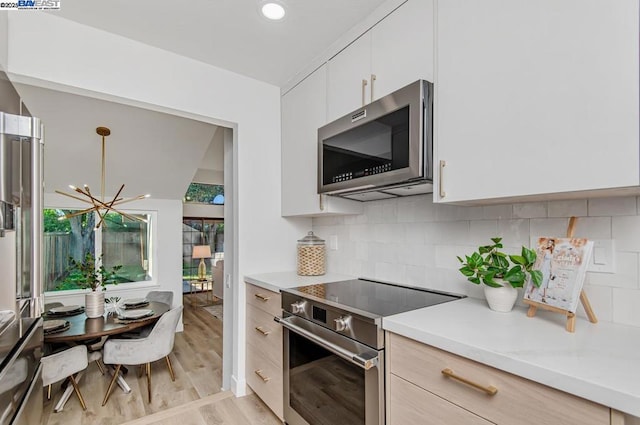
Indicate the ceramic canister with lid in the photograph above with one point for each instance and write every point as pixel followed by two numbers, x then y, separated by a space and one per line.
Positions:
pixel 311 255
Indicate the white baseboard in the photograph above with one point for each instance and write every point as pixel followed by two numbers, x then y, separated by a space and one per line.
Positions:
pixel 239 387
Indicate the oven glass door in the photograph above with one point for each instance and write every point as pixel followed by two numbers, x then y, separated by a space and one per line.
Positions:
pixel 323 387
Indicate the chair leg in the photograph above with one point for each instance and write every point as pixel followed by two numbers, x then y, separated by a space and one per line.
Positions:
pixel 173 376
pixel 141 370
pixel 77 390
pixel 99 363
pixel 149 381
pixel 113 381
pixel 48 392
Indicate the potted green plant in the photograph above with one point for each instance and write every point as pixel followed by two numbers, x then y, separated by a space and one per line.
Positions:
pixel 500 273
pixel 90 273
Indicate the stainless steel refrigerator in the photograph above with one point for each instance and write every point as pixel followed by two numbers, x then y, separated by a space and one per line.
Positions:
pixel 21 233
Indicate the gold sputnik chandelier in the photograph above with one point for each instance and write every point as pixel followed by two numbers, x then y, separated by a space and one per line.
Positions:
pixel 99 205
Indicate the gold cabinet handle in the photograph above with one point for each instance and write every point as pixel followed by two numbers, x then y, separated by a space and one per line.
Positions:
pixel 321 202
pixel 364 87
pixel 440 182
pixel 262 375
pixel 490 389
pixel 262 331
pixel 373 80
pixel 262 297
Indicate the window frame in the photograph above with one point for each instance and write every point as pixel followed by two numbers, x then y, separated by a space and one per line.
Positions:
pixel 152 253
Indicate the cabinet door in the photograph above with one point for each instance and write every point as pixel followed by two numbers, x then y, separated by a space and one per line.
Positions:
pixel 410 404
pixel 402 47
pixel 536 97
pixel 303 111
pixel 346 72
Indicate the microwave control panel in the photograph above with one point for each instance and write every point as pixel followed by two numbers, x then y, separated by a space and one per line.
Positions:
pixel 362 173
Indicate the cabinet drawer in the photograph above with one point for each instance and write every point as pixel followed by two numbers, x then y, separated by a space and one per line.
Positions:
pixel 265 379
pixel 263 332
pixel 264 299
pixel 410 404
pixel 517 401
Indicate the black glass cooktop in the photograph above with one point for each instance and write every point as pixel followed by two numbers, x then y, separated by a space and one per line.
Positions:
pixel 374 298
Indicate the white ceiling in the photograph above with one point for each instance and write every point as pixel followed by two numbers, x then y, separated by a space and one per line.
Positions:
pixel 150 152
pixel 230 34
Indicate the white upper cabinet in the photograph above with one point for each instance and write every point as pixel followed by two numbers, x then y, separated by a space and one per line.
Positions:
pixel 402 48
pixel 303 111
pixel 535 97
pixel 395 52
pixel 349 74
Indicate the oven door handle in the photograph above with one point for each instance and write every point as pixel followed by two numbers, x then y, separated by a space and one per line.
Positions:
pixel 365 363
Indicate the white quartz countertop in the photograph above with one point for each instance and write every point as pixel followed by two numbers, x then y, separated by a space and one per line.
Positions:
pixel 599 362
pixel 289 279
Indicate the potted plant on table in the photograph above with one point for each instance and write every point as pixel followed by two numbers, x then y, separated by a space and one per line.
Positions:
pixel 90 273
pixel 500 273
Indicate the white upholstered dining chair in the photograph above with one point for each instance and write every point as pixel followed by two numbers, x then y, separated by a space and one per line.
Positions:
pixel 65 364
pixel 143 351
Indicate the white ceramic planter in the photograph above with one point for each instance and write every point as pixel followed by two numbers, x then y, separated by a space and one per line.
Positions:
pixel 501 299
pixel 94 304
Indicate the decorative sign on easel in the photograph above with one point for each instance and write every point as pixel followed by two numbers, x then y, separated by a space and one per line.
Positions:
pixel 563 263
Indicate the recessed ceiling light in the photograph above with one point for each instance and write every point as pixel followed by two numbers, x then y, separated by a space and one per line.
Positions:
pixel 273 11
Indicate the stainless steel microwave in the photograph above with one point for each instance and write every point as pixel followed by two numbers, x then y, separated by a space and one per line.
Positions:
pixel 381 150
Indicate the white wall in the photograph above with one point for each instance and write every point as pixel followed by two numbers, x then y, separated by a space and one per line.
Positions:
pixel 202 210
pixel 414 241
pixel 78 58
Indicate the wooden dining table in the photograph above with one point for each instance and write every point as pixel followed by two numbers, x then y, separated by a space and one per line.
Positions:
pixel 83 329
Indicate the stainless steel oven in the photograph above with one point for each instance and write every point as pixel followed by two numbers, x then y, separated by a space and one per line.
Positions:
pixel 330 379
pixel 333 346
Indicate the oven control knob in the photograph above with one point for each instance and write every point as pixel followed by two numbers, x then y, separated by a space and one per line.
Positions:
pixel 297 307
pixel 342 323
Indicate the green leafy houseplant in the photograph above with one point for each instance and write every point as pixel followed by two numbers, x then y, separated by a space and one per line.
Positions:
pixel 489 263
pixel 92 274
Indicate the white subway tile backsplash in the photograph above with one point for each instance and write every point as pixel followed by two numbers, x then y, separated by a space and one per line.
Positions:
pixel 454 232
pixel 601 300
pixel 612 206
pixel 414 233
pixel 514 232
pixel 626 275
pixel 593 228
pixel 390 272
pixel 415 242
pixel 577 207
pixel 500 212
pixel 626 232
pixel 481 231
pixel 416 254
pixel 547 227
pixel 625 306
pixel 530 210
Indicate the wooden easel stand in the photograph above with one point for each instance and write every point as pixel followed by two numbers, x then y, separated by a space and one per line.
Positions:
pixel 571 317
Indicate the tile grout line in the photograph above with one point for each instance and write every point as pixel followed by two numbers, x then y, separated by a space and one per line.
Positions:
pixel 166 414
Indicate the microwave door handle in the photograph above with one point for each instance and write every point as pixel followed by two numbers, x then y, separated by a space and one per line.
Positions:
pixel 364 363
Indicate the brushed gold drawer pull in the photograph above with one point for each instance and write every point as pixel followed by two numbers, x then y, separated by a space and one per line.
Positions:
pixel 262 331
pixel 262 376
pixel 490 390
pixel 262 297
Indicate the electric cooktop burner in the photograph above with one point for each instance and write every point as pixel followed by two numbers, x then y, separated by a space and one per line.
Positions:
pixel 371 298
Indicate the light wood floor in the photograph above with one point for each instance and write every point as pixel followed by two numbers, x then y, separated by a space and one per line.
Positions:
pixel 194 398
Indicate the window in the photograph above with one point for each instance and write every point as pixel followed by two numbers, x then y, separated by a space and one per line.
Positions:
pixel 120 240
pixel 201 193
pixel 201 231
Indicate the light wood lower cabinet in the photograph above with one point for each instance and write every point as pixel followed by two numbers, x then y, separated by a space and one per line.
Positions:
pixel 410 404
pixel 516 401
pixel 264 347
